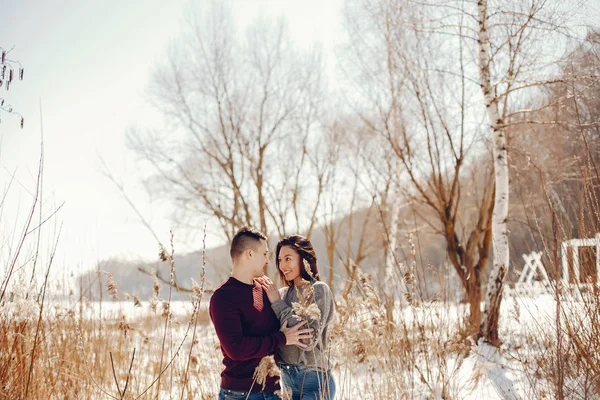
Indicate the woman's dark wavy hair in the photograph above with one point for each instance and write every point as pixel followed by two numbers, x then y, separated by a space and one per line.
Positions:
pixel 305 248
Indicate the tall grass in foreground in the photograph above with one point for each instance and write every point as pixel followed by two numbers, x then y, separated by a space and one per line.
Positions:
pixel 122 350
pixel 76 349
pixel 69 348
pixel 116 356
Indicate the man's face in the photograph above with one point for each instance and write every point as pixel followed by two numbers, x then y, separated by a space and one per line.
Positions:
pixel 260 259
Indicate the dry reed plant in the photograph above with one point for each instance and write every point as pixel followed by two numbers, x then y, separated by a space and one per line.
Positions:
pixel 415 356
pixel 266 368
pixel 81 349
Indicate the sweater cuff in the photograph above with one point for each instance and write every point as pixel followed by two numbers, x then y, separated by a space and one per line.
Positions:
pixel 281 339
pixel 278 306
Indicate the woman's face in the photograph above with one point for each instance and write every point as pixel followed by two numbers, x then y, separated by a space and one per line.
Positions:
pixel 289 263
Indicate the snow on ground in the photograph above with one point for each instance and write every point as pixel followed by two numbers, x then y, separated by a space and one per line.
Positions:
pixel 527 324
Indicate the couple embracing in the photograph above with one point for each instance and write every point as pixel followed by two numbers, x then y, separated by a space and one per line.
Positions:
pixel 253 319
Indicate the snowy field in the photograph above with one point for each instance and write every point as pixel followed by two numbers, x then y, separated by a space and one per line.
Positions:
pixel 367 365
pixel 422 355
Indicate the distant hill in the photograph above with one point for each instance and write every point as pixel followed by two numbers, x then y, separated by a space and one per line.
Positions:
pixel 218 263
pixel 132 281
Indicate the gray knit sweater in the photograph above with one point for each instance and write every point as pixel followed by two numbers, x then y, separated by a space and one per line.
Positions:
pixel 318 294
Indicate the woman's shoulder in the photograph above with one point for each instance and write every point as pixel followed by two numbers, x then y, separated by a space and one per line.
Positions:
pixel 321 284
pixel 321 288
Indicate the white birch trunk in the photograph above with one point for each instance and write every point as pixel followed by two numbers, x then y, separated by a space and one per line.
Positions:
pixel 493 298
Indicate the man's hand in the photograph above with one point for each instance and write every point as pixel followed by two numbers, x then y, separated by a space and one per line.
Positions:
pixel 294 334
pixel 269 288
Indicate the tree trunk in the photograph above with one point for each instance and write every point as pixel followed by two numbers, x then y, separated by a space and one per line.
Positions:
pixel 329 231
pixel 390 259
pixel 491 314
pixel 473 291
pixel 467 267
pixel 493 298
pixel 261 198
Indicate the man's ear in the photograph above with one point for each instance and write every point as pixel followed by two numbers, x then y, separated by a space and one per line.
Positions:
pixel 248 253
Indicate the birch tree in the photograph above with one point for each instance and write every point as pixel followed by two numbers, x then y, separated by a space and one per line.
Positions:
pixel 519 47
pixel 418 61
pixel 489 326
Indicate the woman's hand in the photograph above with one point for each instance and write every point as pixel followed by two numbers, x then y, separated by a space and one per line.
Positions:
pixel 269 288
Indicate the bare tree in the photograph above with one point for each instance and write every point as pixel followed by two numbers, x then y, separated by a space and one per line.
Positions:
pixel 513 66
pixel 348 218
pixel 419 109
pixel 442 75
pixel 242 145
pixel 489 325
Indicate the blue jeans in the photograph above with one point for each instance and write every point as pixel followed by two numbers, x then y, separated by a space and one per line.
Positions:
pixel 225 394
pixel 307 384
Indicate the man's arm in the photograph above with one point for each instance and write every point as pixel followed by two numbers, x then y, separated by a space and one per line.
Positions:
pixel 228 325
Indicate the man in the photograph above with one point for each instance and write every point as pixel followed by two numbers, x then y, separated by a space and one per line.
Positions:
pixel 246 326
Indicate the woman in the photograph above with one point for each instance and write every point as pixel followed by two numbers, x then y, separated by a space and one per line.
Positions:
pixel 305 368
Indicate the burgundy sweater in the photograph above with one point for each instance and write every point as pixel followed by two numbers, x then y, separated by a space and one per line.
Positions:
pixel 248 331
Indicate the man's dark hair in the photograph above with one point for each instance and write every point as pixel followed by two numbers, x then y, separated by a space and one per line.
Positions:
pixel 245 238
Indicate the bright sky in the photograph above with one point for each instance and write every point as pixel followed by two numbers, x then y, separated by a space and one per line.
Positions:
pixel 88 62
